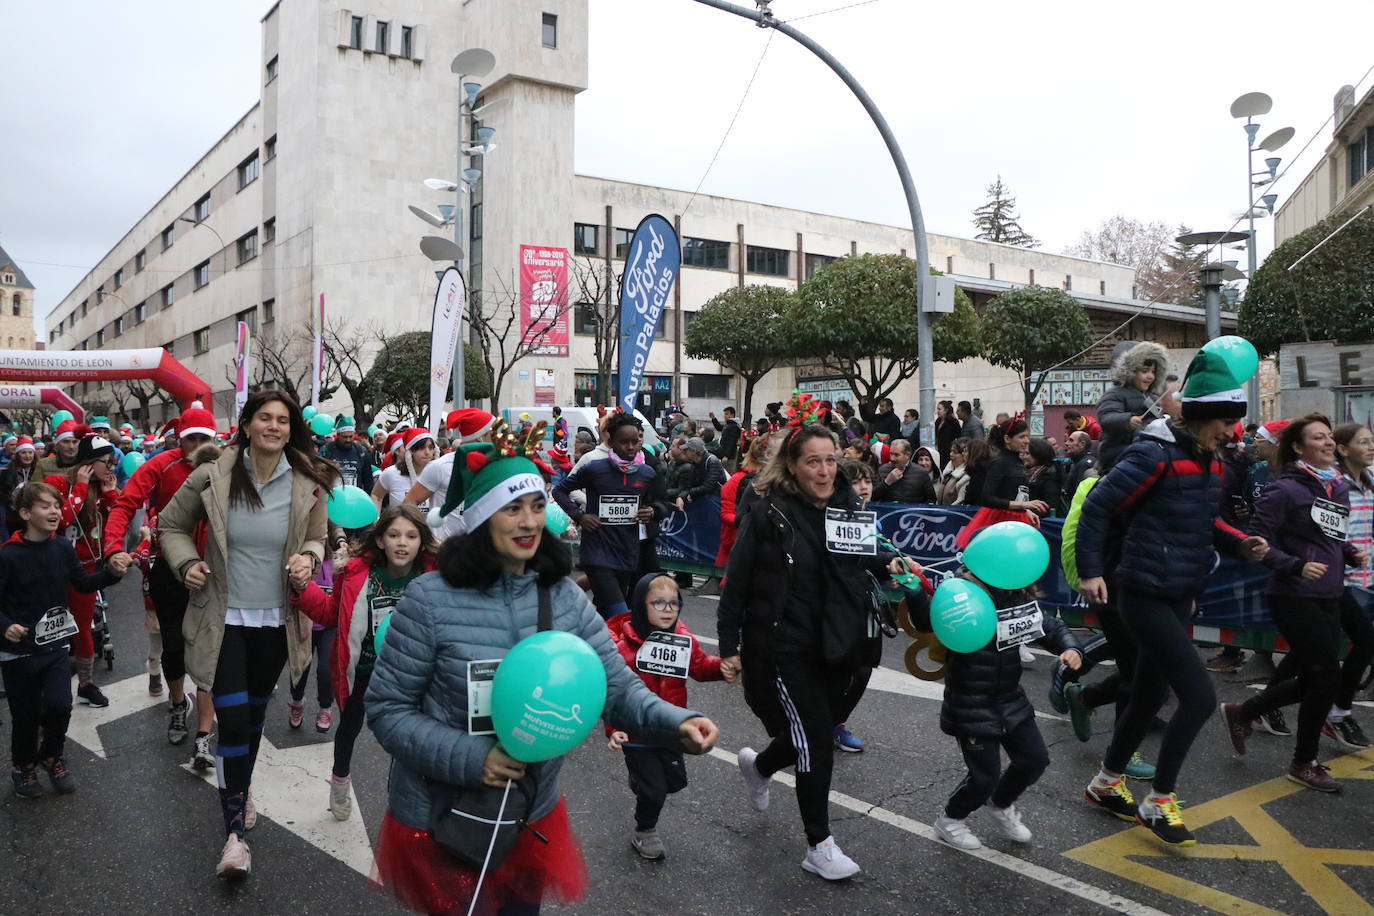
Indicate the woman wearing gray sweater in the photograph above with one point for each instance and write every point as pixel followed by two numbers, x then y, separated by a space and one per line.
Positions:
pixel 482 601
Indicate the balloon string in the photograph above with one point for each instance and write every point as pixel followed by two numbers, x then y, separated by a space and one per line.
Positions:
pixel 490 846
pixel 907 580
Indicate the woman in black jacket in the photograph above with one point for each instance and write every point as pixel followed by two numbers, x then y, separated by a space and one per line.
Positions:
pixel 792 588
pixel 1005 491
pixel 986 709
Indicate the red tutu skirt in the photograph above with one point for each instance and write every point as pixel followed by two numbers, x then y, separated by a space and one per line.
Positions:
pixel 988 516
pixel 426 879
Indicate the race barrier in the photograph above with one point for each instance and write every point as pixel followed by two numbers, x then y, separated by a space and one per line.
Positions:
pixel 153 363
pixel 40 397
pixel 1231 610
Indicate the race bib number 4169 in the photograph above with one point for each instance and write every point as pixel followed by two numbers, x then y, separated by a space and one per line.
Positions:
pixel 851 532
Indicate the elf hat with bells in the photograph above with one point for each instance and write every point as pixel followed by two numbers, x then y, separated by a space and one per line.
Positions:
pixel 488 475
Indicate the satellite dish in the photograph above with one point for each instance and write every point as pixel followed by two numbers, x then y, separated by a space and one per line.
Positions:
pixel 493 104
pixel 479 62
pixel 1251 104
pixel 1276 139
pixel 436 221
pixel 441 184
pixel 438 248
pixel 1211 238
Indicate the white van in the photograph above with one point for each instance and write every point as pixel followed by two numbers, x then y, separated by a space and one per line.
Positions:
pixel 579 418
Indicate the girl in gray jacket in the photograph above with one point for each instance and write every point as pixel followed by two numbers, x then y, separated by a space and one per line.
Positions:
pixel 427 713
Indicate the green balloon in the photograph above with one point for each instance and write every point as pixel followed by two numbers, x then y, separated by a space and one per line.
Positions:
pixel 555 519
pixel 61 416
pixel 1008 555
pixel 322 424
pixel 1240 356
pixel 962 616
pixel 380 635
pixel 131 462
pixel 546 696
pixel 309 411
pixel 350 507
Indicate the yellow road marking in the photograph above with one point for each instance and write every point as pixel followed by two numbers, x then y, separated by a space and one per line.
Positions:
pixel 1121 853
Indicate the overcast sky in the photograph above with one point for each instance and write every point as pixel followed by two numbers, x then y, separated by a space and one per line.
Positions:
pixel 1086 109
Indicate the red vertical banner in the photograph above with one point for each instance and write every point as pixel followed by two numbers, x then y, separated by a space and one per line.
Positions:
pixel 544 299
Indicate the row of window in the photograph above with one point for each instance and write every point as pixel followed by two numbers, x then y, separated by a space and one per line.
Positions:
pixel 585 319
pixel 707 253
pixel 1361 156
pixel 390 38
pixel 698 386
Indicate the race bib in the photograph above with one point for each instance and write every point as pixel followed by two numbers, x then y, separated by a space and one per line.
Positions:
pixel 618 510
pixel 851 532
pixel 1019 625
pixel 380 609
pixel 1023 494
pixel 57 623
pixel 665 654
pixel 1332 518
pixel 480 677
pixel 348 476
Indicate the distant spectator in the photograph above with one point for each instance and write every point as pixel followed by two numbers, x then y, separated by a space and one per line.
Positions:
pixel 970 427
pixel 954 479
pixel 730 494
pixel 705 473
pixel 845 410
pixel 1079 451
pixel 947 429
pixel 976 461
pixel 1043 474
pixel 1076 422
pixel 729 434
pixel 860 477
pixel 708 436
pixel 1002 418
pixel 885 421
pixel 902 480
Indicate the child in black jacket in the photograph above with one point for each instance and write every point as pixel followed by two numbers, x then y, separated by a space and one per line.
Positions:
pixel 986 709
pixel 35 632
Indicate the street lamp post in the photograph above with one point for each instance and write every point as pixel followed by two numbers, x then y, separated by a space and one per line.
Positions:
pixel 764 19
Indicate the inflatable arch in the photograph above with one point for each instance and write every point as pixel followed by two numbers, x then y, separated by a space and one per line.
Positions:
pixel 35 397
pixel 154 364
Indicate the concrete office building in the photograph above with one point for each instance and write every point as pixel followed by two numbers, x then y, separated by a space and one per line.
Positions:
pixel 307 193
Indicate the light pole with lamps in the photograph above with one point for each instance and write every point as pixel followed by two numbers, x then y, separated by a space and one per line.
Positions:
pixel 925 287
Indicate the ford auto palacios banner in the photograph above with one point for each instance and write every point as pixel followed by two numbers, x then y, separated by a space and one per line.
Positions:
pixel 450 300
pixel 544 299
pixel 650 269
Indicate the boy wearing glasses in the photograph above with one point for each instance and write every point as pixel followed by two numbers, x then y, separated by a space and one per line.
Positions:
pixel 659 648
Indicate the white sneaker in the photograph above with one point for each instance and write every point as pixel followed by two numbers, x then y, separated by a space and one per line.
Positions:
pixel 955 832
pixel 755 782
pixel 826 859
pixel 250 812
pixel 340 802
pixel 1027 656
pixel 236 860
pixel 1009 819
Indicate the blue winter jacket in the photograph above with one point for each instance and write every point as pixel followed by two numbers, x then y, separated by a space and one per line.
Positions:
pixel 612 545
pixel 1168 498
pixel 417 701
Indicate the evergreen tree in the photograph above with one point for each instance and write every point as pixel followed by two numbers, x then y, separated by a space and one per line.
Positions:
pixel 1183 270
pixel 997 220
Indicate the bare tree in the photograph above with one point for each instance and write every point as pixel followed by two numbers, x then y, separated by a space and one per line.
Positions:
pixel 597 290
pixel 346 352
pixel 283 360
pixel 505 336
pixel 1144 246
pixel 140 390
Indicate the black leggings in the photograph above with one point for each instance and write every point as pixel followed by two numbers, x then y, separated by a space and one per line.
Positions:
pixel 250 662
pixel 610 588
pixel 1115 687
pixel 321 647
pixel 1168 660
pixel 350 724
pixel 655 773
pixel 39 691
pixel 800 709
pixel 169 597
pixel 1312 627
pixel 985 780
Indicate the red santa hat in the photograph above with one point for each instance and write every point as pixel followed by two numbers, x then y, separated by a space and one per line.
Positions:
pixel 1270 431
pixel 197 421
pixel 470 423
pixel 24 443
pixel 413 439
pixel 169 428
pixel 69 429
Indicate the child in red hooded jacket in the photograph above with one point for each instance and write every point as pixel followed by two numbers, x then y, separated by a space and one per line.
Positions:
pixel 398 548
pixel 658 647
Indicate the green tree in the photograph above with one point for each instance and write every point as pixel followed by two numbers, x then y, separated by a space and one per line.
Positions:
pixel 997 220
pixel 1032 329
pixel 1182 273
pixel 866 305
pixel 399 376
pixel 1329 296
pixel 742 329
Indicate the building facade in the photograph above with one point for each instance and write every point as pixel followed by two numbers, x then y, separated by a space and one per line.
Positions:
pixel 1342 183
pixel 307 196
pixel 16 306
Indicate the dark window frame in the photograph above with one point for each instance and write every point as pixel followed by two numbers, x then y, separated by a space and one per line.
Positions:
pixel 246 247
pixel 355 33
pixel 201 211
pixel 762 260
pixel 579 246
pixel 249 170
pixel 705 253
pixel 548 30
pixel 200 275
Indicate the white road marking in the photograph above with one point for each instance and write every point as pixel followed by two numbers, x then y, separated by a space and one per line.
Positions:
pixel 1054 879
pixel 290 786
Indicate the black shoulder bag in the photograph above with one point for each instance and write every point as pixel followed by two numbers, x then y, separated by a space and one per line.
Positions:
pixel 462 819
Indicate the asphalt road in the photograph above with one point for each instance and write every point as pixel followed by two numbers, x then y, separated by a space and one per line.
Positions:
pixel 142 835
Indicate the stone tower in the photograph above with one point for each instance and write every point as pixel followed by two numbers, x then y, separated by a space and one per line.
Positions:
pixel 16 299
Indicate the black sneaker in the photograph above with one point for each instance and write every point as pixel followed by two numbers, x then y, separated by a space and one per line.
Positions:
pixel 176 727
pixel 60 776
pixel 1274 723
pixel 1346 732
pixel 203 759
pixel 1164 820
pixel 26 782
pixel 1237 729
pixel 1114 797
pixel 91 695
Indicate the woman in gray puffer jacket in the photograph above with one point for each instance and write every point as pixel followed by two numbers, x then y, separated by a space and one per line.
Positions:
pixel 1139 371
pixel 482 601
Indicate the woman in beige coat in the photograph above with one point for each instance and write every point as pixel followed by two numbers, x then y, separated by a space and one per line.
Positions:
pixel 263 504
